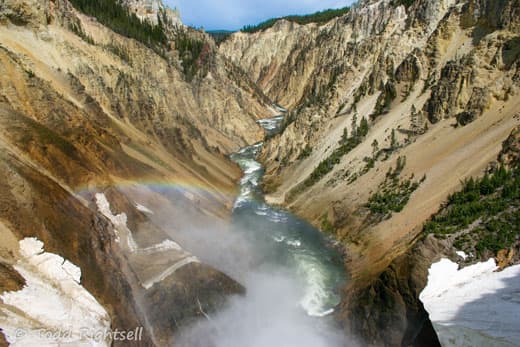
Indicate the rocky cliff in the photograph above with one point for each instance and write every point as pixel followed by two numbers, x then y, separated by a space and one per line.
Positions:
pixel 100 134
pixel 391 106
pixel 153 11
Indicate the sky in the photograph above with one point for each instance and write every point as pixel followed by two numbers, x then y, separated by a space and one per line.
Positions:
pixel 234 14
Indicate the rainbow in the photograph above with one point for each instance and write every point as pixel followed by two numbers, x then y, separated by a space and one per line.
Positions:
pixel 192 189
pixel 177 184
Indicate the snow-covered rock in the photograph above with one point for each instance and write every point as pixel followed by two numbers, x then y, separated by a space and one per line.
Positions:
pixel 163 246
pixel 474 306
pixel 118 221
pixel 53 308
pixel 143 208
pixel 462 254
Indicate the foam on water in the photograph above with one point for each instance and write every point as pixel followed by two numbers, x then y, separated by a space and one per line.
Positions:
pixel 279 238
pixel 294 243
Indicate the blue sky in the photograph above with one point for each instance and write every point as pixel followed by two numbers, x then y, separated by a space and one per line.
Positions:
pixel 234 14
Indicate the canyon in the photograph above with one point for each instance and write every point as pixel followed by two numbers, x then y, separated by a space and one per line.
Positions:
pixel 116 158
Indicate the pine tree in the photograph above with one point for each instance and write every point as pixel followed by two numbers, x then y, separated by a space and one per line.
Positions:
pixel 354 125
pixel 414 119
pixel 363 128
pixel 344 137
pixel 393 140
pixel 375 147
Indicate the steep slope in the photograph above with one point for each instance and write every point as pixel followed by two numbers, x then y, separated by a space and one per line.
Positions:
pixel 392 300
pixel 391 107
pixel 85 113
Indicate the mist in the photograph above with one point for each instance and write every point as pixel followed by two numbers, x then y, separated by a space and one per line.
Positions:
pixel 289 270
pixel 270 313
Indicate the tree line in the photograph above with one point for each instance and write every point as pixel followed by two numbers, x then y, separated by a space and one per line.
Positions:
pixel 318 17
pixel 112 14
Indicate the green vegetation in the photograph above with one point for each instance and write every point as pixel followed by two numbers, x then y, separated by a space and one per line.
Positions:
pixel 393 141
pixel 418 125
pixel 119 50
pixel 194 53
pixel 220 35
pixel 326 225
pixel 484 216
pixel 393 193
pixel 114 15
pixel 384 100
pixel 377 154
pixel 307 151
pixel 78 30
pixel 347 144
pixel 318 17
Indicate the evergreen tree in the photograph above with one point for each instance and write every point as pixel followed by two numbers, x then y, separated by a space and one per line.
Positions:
pixel 318 17
pixel 375 147
pixel 393 140
pixel 344 137
pixel 117 17
pixel 354 125
pixel 363 127
pixel 414 119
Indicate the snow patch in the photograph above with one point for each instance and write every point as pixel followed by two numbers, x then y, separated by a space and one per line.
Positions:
pixel 473 306
pixel 143 208
pixel 169 271
pixel 163 246
pixel 125 234
pixel 51 301
pixel 189 196
pixel 119 221
pixel 462 254
pixel 30 246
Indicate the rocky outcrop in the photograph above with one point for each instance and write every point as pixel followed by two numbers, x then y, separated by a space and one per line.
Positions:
pixel 195 292
pixel 152 10
pixel 32 13
pixel 11 279
pixel 388 312
pixel 66 302
pixel 510 154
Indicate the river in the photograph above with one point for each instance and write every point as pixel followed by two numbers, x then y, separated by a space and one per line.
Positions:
pixel 287 240
pixel 292 280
